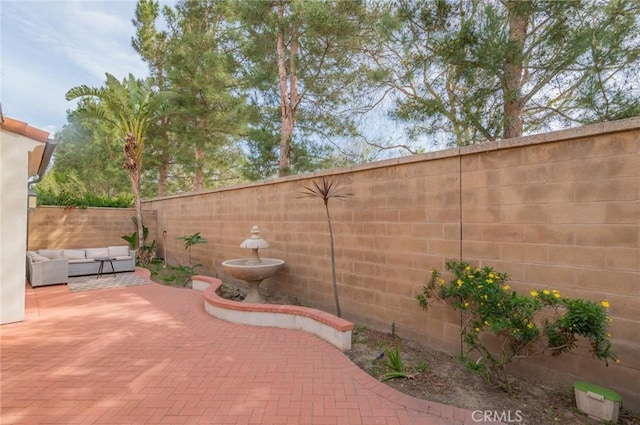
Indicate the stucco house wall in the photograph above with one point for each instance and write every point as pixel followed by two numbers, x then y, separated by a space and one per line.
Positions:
pixel 17 151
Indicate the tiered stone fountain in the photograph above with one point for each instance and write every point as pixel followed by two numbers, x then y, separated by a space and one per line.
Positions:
pixel 255 269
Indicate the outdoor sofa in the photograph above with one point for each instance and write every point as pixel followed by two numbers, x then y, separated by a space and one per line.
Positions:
pixel 53 266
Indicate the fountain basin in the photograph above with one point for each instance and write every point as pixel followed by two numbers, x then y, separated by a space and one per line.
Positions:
pixel 244 269
pixel 253 273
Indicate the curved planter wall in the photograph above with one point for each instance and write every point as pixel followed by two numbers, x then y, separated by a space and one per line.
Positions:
pixel 332 329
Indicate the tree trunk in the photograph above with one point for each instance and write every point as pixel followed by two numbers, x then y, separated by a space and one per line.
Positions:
pixel 288 92
pixel 333 262
pixel 162 178
pixel 286 137
pixel 163 173
pixel 133 162
pixel 134 175
pixel 513 69
pixel 198 178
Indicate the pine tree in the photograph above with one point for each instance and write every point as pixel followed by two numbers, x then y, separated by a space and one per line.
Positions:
pixel 201 67
pixel 476 70
pixel 302 63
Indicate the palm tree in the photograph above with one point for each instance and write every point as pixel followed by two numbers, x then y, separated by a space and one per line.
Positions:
pixel 127 106
pixel 327 189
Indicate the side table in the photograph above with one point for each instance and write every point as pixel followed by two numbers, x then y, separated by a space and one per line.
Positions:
pixel 101 268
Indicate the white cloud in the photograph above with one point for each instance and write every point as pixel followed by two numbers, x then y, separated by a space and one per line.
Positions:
pixel 50 46
pixel 99 40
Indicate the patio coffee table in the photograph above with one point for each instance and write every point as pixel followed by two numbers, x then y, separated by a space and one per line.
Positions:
pixel 101 268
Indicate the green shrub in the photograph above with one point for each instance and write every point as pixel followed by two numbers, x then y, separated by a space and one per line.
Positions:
pixel 525 325
pixel 147 253
pixel 70 200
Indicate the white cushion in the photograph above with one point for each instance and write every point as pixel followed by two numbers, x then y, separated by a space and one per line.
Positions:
pixel 51 253
pixel 74 254
pixel 122 257
pixel 81 260
pixel 118 251
pixel 97 252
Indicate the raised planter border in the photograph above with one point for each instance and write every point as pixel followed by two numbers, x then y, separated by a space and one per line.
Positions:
pixel 332 329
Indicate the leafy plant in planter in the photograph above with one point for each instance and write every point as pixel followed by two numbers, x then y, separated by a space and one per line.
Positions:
pixel 525 325
pixel 393 363
pixel 189 241
pixel 146 253
pixel 326 190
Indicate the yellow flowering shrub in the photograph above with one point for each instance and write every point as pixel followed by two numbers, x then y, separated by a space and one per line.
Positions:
pixel 488 304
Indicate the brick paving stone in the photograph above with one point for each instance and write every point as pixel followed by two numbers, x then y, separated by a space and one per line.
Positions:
pixel 150 354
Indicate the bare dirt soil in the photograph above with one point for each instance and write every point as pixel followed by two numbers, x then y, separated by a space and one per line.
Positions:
pixel 436 376
pixel 439 377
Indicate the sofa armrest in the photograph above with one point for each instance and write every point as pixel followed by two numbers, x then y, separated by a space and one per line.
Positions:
pixel 48 272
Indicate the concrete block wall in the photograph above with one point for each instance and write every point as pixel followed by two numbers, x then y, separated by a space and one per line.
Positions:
pixel 400 222
pixel 564 215
pixel 52 227
pixel 559 210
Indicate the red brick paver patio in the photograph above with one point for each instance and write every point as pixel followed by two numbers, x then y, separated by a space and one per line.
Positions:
pixel 151 355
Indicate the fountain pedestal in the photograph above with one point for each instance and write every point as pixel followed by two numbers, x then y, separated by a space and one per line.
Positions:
pixel 253 293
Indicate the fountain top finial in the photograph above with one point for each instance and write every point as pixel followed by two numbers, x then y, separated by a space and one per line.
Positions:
pixel 255 241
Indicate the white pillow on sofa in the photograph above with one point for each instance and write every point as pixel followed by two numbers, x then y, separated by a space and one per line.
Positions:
pixel 51 253
pixel 119 251
pixel 38 258
pixel 74 254
pixel 98 252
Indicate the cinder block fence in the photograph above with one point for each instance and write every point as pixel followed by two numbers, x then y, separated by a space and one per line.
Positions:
pixel 559 210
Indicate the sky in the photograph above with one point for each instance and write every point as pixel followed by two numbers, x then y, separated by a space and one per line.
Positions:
pixel 49 46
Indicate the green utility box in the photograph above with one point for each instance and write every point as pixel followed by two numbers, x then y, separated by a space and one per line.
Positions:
pixel 597 402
